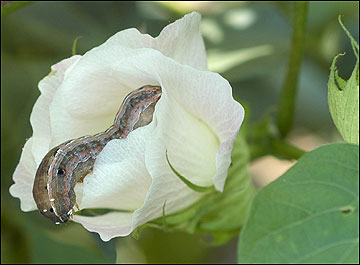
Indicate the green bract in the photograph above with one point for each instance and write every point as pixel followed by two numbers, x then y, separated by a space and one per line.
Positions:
pixel 344 98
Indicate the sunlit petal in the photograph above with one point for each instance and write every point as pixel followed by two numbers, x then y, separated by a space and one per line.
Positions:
pixel 108 226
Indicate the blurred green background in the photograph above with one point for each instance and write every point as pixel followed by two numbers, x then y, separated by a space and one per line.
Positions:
pixel 247 42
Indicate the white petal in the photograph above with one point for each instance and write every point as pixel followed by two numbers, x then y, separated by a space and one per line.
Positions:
pixel 101 79
pixel 208 97
pixel 61 67
pixel 91 94
pixel 120 179
pixel 180 40
pixel 24 179
pixel 183 42
pixel 190 143
pixel 108 226
pixel 166 189
pixel 40 118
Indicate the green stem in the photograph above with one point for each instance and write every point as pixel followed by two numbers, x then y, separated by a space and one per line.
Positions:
pixel 283 150
pixel 263 139
pixel 288 95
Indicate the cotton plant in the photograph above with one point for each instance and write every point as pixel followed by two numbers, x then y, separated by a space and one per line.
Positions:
pixel 187 170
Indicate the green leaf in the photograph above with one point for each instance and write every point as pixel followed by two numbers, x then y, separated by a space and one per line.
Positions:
pixel 308 215
pixel 343 98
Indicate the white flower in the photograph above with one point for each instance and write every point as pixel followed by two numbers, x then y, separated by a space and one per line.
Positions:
pixel 196 121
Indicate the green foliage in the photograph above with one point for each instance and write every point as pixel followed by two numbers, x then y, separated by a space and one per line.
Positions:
pixel 344 98
pixel 264 138
pixel 308 215
pixel 33 40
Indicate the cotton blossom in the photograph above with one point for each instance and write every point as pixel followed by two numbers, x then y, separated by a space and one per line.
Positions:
pixel 195 123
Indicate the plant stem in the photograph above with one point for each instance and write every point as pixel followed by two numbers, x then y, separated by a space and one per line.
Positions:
pixel 283 150
pixel 286 104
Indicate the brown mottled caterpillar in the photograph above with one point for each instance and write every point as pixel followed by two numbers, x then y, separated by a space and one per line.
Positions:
pixel 68 163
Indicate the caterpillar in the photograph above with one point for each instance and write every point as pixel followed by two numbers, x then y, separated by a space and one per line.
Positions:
pixel 68 163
